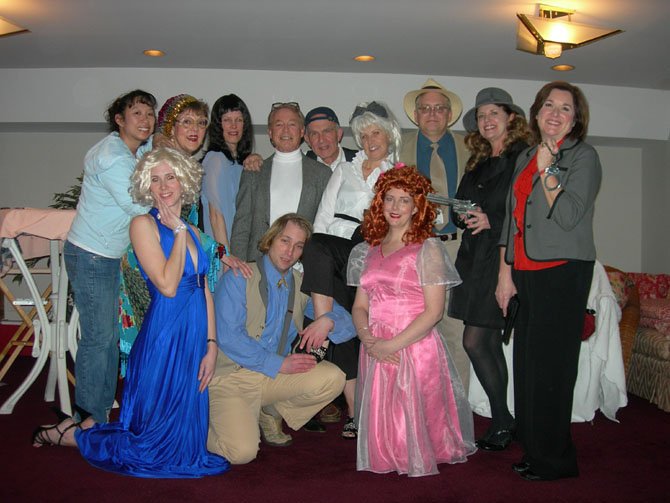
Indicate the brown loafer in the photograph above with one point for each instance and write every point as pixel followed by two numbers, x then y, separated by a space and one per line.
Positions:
pixel 330 414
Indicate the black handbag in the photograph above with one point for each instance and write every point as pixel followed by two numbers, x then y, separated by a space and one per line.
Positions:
pixel 512 310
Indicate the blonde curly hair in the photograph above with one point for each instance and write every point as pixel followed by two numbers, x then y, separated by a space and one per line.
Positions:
pixel 188 172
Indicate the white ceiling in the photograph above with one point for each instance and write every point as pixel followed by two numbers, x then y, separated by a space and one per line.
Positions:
pixel 474 38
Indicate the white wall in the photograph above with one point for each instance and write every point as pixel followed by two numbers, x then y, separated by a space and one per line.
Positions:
pixel 618 234
pixel 656 208
pixel 81 94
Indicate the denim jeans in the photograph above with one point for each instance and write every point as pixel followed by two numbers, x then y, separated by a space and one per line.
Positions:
pixel 95 282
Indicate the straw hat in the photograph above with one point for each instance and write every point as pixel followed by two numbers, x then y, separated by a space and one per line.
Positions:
pixel 431 85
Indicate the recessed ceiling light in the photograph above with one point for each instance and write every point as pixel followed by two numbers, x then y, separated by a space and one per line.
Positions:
pixel 364 58
pixel 154 53
pixel 9 28
pixel 563 68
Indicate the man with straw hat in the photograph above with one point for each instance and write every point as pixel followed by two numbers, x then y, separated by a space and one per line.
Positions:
pixel 440 155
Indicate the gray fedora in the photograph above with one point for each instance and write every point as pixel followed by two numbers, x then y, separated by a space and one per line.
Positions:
pixel 488 96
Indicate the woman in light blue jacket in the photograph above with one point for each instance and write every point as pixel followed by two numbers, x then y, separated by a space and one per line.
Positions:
pixel 95 244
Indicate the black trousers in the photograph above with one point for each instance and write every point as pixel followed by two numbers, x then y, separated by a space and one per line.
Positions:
pixel 325 260
pixel 547 340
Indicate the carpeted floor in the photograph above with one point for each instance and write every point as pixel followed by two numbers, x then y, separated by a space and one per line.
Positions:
pixel 619 462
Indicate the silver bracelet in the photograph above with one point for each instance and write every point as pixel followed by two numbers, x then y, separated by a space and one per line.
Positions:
pixel 179 228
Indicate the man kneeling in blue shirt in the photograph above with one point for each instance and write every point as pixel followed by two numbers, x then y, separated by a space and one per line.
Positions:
pixel 256 379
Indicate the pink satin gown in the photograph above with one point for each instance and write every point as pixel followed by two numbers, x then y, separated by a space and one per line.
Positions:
pixel 414 415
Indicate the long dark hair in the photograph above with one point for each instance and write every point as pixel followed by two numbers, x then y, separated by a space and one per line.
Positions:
pixel 480 148
pixel 230 103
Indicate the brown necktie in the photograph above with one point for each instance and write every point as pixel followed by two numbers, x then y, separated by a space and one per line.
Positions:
pixel 437 166
pixel 281 282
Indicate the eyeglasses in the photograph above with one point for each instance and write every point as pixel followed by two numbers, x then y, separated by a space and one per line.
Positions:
pixel 436 109
pixel 290 104
pixel 189 123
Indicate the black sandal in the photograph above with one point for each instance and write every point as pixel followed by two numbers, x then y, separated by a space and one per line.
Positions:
pixel 41 437
pixel 319 353
pixel 349 431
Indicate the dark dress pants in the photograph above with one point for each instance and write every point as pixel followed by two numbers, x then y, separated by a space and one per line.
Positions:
pixel 547 341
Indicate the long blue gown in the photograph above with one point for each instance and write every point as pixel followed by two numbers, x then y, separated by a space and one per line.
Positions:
pixel 162 430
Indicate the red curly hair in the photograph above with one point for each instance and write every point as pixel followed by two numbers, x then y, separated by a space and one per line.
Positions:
pixel 407 178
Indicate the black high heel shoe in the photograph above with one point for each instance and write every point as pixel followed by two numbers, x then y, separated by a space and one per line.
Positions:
pixel 497 441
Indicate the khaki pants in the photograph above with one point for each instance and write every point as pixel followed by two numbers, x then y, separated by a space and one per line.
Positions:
pixel 452 330
pixel 235 401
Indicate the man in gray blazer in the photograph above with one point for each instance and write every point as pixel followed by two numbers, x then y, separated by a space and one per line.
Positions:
pixel 288 182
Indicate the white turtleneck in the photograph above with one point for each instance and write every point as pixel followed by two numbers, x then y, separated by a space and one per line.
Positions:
pixel 285 183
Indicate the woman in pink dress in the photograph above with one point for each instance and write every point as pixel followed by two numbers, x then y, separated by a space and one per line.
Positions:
pixel 411 408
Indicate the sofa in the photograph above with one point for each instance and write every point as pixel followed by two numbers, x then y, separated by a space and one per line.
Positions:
pixel 627 297
pixel 649 372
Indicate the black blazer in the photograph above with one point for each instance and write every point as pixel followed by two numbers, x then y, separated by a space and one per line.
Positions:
pixel 348 154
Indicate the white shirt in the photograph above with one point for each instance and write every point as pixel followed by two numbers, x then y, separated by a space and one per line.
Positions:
pixel 340 158
pixel 347 193
pixel 285 183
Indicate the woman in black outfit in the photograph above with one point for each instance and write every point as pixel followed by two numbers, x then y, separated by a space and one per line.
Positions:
pixel 498 132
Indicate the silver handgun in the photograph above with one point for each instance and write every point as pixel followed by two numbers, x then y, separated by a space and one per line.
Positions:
pixel 460 206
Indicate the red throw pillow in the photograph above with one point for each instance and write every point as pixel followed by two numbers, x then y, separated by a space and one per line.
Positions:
pixel 589 324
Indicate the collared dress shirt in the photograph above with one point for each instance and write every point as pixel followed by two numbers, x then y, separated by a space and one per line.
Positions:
pixel 261 355
pixel 447 152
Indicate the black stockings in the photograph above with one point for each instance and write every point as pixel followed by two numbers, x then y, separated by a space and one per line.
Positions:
pixel 484 347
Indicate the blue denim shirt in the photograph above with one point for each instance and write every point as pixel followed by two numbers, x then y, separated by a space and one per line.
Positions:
pixel 105 207
pixel 261 355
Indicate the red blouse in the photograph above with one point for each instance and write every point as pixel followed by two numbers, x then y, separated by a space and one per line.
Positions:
pixel 522 189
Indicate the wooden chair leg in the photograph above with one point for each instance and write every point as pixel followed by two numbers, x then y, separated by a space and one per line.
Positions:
pixel 21 337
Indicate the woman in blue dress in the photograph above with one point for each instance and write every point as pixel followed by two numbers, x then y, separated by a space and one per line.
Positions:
pixel 162 430
pixel 231 142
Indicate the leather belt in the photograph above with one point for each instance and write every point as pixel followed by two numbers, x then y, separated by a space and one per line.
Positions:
pixel 448 237
pixel 347 217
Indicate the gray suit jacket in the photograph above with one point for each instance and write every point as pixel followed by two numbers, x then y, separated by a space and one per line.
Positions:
pixel 252 216
pixel 563 231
